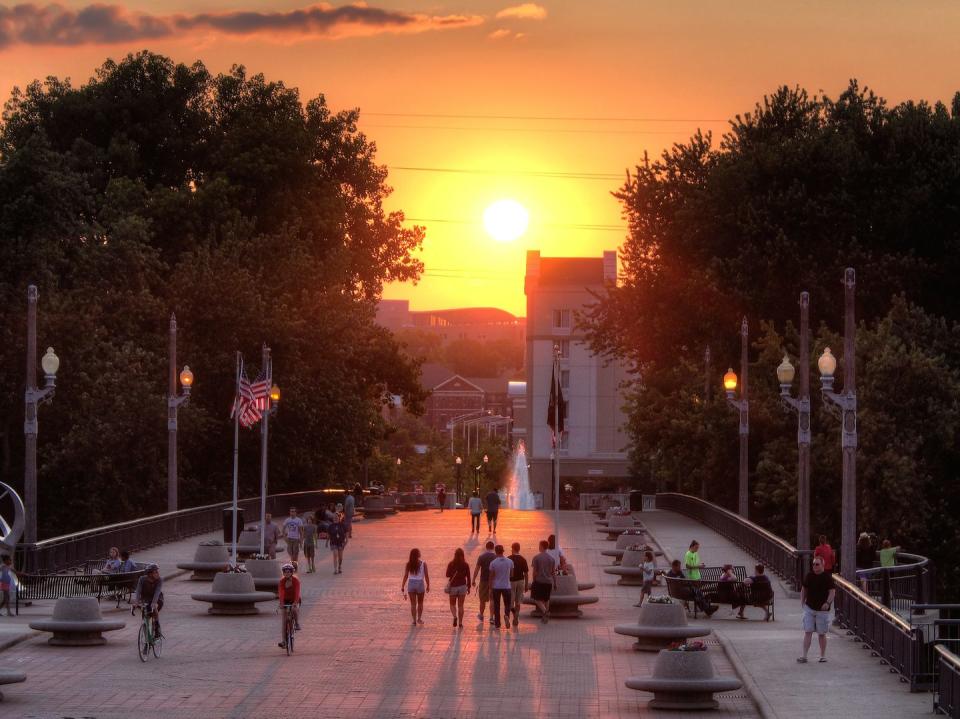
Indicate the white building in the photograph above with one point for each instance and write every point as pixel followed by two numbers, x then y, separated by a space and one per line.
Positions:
pixel 593 453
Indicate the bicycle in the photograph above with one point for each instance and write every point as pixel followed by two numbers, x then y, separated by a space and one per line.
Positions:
pixel 288 628
pixel 147 641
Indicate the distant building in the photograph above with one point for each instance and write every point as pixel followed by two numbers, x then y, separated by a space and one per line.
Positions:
pixel 593 448
pixel 394 314
pixel 452 396
pixel 482 324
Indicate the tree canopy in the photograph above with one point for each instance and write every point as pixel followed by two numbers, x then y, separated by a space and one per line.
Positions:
pixel 158 188
pixel 798 189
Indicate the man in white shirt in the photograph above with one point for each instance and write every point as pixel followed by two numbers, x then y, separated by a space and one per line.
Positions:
pixel 475 505
pixel 500 570
pixel 293 531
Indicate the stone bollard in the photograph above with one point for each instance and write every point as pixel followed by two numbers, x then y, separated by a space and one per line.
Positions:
pixel 9 676
pixel 266 573
pixel 208 559
pixel 660 625
pixel 683 680
pixel 77 622
pixel 233 593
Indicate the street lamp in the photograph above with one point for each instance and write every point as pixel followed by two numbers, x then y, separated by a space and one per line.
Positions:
pixel 845 403
pixel 174 401
pixel 785 376
pixel 33 397
pixel 742 406
pixel 459 464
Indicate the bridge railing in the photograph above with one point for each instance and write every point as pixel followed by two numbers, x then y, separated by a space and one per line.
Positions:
pixel 774 553
pixel 911 581
pixel 70 550
pixel 946 698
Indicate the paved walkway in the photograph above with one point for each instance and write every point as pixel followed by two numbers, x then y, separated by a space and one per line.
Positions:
pixel 851 685
pixel 357 655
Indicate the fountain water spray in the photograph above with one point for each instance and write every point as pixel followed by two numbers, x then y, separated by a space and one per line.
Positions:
pixel 519 495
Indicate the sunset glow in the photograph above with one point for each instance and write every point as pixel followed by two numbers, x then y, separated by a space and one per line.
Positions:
pixel 506 220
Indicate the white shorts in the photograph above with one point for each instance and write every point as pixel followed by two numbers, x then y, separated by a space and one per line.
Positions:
pixel 818 622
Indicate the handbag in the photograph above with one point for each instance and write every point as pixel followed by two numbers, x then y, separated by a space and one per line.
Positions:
pixel 447 588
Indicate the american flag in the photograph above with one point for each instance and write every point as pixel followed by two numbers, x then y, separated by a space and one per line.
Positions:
pixel 252 399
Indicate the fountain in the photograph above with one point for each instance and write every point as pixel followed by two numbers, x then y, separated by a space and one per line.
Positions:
pixel 519 495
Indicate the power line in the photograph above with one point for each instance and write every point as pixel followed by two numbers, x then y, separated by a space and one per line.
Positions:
pixel 531 129
pixel 521 173
pixel 546 118
pixel 550 225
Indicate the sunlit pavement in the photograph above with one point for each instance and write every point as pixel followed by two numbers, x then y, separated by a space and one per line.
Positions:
pixel 358 655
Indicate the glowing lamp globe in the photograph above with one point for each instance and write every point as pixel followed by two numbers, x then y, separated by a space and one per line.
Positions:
pixel 730 381
pixel 274 394
pixel 827 364
pixel 785 373
pixel 50 363
pixel 186 378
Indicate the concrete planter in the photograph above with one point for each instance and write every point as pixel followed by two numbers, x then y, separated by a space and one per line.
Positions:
pixel 374 507
pixel 629 569
pixel 659 625
pixel 233 593
pixel 265 572
pixel 616 525
pixel 208 559
pixel 683 680
pixel 566 600
pixel 627 538
pixel 248 543
pixel 8 676
pixel 77 622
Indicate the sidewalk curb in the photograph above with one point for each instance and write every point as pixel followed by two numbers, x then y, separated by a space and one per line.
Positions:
pixel 763 706
pixel 12 642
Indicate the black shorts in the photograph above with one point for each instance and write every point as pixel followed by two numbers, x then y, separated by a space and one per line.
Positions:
pixel 541 591
pixel 492 515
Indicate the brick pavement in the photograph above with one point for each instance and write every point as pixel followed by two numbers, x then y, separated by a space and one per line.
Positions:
pixel 357 655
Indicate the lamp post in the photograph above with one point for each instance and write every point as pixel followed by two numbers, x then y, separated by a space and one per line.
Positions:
pixel 398 473
pixel 846 403
pixel 785 376
pixel 742 405
pixel 33 397
pixel 271 408
pixel 458 462
pixel 174 401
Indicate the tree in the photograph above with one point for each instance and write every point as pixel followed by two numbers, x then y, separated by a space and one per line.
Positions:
pixel 158 188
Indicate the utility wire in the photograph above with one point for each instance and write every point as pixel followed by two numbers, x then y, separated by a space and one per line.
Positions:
pixel 551 225
pixel 547 118
pixel 532 129
pixel 521 173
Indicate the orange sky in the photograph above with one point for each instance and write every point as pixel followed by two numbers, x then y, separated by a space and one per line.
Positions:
pixel 668 67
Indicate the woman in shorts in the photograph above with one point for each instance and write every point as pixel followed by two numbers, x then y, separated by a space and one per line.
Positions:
pixel 649 567
pixel 458 572
pixel 416 583
pixel 310 542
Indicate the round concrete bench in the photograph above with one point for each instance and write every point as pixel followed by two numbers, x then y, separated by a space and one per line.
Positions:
pixel 629 569
pixel 617 512
pixel 77 622
pixel 659 626
pixel 628 538
pixel 265 572
pixel 566 600
pixel 607 512
pixel 406 502
pixel 9 676
pixel 617 525
pixel 374 507
pixel 233 593
pixel 683 680
pixel 247 543
pixel 208 559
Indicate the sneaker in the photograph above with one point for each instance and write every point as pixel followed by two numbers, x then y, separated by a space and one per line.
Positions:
pixel 296 626
pixel 492 620
pixel 544 619
pixel 480 617
pixel 822 660
pixel 420 622
pixel 801 660
pixel 516 622
pixel 281 645
pixel 454 621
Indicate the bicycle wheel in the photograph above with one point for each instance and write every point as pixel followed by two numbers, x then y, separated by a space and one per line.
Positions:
pixel 157 646
pixel 143 643
pixel 289 638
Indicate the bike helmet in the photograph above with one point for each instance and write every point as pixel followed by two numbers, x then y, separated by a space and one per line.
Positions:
pixel 287 567
pixel 152 568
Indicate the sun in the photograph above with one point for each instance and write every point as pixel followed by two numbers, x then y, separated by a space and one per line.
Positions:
pixel 505 220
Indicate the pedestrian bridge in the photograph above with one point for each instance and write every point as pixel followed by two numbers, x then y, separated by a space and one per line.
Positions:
pixel 358 656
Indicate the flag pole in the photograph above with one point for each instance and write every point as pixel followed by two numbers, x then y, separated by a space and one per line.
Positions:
pixel 264 430
pixel 236 460
pixel 556 445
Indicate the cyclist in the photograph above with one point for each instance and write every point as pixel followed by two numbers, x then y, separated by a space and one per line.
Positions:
pixel 289 594
pixel 149 594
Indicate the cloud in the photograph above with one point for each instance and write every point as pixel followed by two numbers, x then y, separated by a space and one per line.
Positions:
pixel 54 24
pixel 500 34
pixel 526 11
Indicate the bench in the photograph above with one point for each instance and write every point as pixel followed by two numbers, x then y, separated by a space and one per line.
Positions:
pixel 83 581
pixel 717 592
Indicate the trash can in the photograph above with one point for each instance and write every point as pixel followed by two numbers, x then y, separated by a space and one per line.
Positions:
pixel 228 524
pixel 636 500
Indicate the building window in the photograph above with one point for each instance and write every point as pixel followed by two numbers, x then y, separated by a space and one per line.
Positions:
pixel 565 378
pixel 564 348
pixel 561 319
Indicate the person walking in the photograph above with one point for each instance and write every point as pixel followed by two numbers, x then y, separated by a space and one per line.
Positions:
pixel 693 565
pixel 416 584
pixel 493 510
pixel 7 581
pixel 337 539
pixel 293 531
pixel 826 553
pixel 816 597
pixel 558 556
pixel 519 581
pixel 475 505
pixel 349 509
pixel 310 542
pixel 483 569
pixel 458 576
pixel 544 567
pixel 500 570
pixel 441 497
pixel 649 567
pixel 271 534
pixel 865 556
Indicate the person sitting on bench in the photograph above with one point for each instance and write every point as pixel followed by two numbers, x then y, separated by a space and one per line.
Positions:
pixel 757 579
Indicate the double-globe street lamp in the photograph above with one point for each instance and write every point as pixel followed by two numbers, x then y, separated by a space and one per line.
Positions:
pixel 33 397
pixel 458 463
pixel 481 467
pixel 742 405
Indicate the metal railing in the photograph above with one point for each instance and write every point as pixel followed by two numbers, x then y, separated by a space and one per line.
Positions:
pixel 59 553
pixel 774 553
pixel 946 697
pixel 908 583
